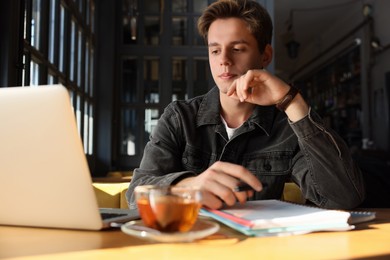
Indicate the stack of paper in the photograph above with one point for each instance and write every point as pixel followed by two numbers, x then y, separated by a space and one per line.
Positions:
pixel 277 218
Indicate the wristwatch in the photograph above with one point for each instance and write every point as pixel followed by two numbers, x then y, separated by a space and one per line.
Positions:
pixel 286 100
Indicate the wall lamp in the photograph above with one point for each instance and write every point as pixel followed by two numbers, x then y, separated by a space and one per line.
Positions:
pixel 289 40
pixel 293 48
pixel 375 43
pixel 367 10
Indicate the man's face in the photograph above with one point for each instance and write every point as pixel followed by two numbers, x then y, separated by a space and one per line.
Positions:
pixel 233 50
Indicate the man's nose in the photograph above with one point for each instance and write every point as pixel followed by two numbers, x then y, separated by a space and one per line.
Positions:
pixel 225 59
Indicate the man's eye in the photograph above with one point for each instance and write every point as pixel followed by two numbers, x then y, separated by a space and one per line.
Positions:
pixel 214 51
pixel 237 50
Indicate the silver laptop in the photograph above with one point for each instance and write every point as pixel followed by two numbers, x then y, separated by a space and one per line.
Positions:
pixel 44 175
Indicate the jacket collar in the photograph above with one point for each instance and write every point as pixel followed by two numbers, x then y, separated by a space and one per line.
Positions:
pixel 209 112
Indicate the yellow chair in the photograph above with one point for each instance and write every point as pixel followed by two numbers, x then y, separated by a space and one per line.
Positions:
pixel 113 194
pixel 292 193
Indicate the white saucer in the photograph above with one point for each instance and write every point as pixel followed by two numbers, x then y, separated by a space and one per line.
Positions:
pixel 201 229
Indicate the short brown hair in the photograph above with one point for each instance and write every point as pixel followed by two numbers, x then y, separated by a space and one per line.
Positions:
pixel 255 15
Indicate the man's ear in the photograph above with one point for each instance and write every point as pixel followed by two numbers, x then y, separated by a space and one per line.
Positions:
pixel 267 55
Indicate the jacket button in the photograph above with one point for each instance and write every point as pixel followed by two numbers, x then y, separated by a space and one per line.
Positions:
pixel 267 167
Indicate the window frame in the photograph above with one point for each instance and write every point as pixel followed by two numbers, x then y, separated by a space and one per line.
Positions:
pixel 53 61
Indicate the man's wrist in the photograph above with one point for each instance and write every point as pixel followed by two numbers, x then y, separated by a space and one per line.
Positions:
pixel 297 109
pixel 286 100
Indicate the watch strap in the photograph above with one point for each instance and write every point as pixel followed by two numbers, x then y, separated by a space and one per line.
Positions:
pixel 286 100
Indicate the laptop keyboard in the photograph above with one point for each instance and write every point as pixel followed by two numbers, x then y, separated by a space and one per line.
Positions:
pixel 111 215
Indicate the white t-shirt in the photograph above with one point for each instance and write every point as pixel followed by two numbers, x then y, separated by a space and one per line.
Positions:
pixel 230 131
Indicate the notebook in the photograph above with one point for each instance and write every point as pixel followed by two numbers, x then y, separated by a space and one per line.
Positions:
pixel 276 218
pixel 44 176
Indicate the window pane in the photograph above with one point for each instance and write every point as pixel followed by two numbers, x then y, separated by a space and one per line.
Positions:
pixel 91 72
pixel 92 17
pixel 25 22
pixel 51 79
pixel 202 76
pixel 152 6
pixel 52 30
pixel 72 50
pixel 130 79
pixel 129 133
pixel 179 76
pixel 36 23
pixel 88 12
pixel 62 39
pixel 90 134
pixel 151 118
pixel 198 40
pixel 151 80
pixel 34 74
pixel 132 136
pixel 199 5
pixel 24 83
pixel 86 68
pixel 81 6
pixel 179 31
pixel 86 127
pixel 79 57
pixel 179 6
pixel 152 30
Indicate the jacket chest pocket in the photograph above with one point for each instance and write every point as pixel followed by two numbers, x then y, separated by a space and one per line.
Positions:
pixel 273 169
pixel 196 160
pixel 272 163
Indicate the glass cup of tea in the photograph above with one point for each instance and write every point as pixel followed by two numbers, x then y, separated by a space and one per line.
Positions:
pixel 168 208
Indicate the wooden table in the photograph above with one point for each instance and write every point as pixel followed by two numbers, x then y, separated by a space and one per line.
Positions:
pixel 368 240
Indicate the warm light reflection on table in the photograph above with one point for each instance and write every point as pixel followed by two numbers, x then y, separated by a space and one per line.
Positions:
pixel 370 239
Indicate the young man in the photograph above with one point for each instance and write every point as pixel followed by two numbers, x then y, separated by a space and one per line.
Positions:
pixel 251 128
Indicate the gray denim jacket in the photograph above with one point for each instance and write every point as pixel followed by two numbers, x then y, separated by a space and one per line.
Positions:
pixel 190 136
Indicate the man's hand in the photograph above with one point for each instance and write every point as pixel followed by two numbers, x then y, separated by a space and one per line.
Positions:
pixel 262 88
pixel 258 87
pixel 219 181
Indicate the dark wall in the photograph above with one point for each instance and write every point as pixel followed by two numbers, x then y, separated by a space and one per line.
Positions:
pixel 105 83
pixel 9 44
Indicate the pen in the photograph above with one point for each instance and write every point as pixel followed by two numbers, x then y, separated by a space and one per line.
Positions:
pixel 245 187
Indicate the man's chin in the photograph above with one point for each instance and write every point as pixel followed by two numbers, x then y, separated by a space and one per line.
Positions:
pixel 223 88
